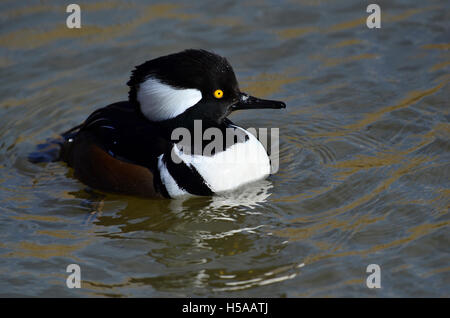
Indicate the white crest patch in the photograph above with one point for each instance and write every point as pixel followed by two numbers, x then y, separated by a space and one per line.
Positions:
pixel 161 101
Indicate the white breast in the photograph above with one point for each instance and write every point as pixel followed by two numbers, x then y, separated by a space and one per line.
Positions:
pixel 239 164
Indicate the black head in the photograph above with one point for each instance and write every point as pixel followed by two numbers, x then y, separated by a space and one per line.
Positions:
pixel 193 84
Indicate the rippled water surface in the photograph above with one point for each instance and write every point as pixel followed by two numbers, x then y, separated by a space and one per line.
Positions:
pixel 364 152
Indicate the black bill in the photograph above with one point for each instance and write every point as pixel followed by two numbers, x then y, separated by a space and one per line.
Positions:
pixel 249 102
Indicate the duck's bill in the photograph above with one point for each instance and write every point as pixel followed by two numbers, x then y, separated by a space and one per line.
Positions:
pixel 249 102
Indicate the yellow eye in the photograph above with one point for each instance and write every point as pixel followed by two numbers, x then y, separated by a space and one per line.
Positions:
pixel 218 93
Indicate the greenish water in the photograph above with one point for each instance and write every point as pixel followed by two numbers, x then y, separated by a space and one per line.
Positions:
pixel 364 152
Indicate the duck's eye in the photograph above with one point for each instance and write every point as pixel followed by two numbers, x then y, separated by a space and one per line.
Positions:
pixel 218 93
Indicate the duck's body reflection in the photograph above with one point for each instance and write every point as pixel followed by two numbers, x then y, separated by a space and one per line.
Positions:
pixel 183 234
pixel 225 206
pixel 249 197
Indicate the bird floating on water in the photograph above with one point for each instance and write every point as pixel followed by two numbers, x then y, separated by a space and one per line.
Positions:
pixel 128 146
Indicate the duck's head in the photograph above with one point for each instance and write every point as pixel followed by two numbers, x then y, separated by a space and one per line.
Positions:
pixel 192 84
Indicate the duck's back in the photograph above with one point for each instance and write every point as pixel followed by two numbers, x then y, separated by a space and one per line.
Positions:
pixel 116 149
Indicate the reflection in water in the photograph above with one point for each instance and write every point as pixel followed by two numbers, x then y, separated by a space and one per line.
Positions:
pixel 364 152
pixel 246 199
pixel 191 218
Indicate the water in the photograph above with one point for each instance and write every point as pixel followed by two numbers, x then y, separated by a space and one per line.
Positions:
pixel 364 152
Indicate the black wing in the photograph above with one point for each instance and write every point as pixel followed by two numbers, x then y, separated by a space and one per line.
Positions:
pixel 125 134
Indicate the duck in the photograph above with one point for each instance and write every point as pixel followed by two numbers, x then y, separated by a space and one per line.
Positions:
pixel 172 137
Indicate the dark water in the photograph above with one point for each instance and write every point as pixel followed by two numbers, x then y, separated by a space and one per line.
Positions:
pixel 364 152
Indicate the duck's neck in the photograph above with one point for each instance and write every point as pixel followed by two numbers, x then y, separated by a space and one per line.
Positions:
pixel 197 133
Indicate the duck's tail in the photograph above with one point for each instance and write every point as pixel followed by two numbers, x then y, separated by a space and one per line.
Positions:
pixel 51 149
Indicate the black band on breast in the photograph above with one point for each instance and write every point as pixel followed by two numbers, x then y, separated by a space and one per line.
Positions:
pixel 186 177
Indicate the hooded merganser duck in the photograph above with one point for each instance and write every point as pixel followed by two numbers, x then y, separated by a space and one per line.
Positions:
pixel 128 147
